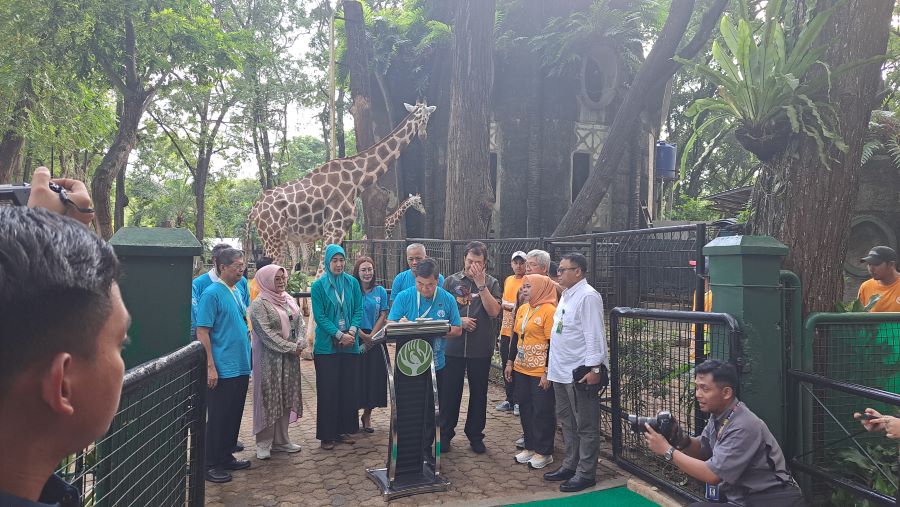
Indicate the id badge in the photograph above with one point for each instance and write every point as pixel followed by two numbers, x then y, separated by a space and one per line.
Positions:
pixel 342 325
pixel 559 327
pixel 712 492
pixel 521 354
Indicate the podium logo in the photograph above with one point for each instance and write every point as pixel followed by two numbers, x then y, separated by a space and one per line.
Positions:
pixel 414 358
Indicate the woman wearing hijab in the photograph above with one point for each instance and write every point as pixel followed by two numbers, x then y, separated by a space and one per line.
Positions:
pixel 527 369
pixel 337 304
pixel 373 380
pixel 277 343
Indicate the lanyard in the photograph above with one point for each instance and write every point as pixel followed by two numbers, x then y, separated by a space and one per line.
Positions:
pixel 339 297
pixel 525 320
pixel 726 420
pixel 236 300
pixel 419 313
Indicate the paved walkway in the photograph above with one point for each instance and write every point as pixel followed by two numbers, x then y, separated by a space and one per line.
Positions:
pixel 338 477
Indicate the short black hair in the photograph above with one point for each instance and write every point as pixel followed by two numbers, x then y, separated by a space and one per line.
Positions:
pixel 263 262
pixel 477 248
pixel 723 374
pixel 227 256
pixel 55 282
pixel 216 250
pixel 427 268
pixel 577 259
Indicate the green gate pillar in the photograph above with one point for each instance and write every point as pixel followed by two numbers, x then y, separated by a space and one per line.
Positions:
pixel 744 279
pixel 157 265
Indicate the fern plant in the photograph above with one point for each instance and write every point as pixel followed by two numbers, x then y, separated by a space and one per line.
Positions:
pixel 883 137
pixel 765 90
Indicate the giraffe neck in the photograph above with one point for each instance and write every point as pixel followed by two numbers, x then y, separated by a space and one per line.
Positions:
pixel 395 216
pixel 378 158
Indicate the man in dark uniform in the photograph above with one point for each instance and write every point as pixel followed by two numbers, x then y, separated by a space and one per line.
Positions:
pixel 736 455
pixel 478 298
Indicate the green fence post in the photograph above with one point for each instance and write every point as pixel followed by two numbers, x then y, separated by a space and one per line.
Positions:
pixel 157 264
pixel 744 276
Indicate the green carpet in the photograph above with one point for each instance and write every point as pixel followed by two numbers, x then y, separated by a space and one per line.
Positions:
pixel 613 497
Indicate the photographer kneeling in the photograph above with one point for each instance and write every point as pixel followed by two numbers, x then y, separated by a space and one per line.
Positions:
pixel 736 455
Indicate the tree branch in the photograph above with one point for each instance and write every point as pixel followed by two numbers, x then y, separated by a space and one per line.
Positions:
pixel 174 139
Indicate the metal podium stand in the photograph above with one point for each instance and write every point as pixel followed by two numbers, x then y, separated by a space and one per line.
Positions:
pixel 409 468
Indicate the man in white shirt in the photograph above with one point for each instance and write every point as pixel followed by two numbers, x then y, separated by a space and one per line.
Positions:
pixel 578 341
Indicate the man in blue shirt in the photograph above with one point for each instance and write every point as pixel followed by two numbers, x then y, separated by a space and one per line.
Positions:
pixel 222 329
pixel 415 253
pixel 199 284
pixel 427 300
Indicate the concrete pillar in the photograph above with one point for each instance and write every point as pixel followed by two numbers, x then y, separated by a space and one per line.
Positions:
pixel 744 278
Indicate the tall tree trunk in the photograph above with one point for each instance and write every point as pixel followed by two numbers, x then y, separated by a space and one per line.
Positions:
pixel 649 82
pixel 794 198
pixel 470 201
pixel 374 198
pixel 200 179
pixel 12 143
pixel 116 157
pixel 121 198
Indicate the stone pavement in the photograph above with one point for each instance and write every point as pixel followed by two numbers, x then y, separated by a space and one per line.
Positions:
pixel 338 477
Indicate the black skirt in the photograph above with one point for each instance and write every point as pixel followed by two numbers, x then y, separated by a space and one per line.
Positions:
pixel 373 380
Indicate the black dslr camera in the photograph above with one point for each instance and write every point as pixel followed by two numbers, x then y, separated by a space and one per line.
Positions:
pixel 663 423
pixel 15 194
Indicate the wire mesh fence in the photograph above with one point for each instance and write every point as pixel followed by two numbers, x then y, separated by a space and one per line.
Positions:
pixel 860 350
pixel 653 355
pixel 153 451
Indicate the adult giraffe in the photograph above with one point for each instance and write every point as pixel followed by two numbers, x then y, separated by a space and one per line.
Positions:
pixel 321 205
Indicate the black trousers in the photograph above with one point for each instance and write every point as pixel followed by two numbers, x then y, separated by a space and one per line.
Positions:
pixel 455 372
pixel 337 385
pixel 224 409
pixel 504 357
pixel 537 412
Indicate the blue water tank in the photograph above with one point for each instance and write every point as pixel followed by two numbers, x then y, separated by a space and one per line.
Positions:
pixel 665 161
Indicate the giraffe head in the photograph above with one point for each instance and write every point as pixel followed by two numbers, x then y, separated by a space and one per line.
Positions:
pixel 420 113
pixel 415 202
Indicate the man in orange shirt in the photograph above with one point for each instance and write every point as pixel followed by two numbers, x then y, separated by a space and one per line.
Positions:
pixel 511 287
pixel 882 292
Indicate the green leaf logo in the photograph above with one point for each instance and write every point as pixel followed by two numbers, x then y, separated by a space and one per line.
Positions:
pixel 414 358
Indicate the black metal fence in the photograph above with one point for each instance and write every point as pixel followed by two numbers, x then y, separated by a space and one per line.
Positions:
pixel 647 268
pixel 153 453
pixel 652 358
pixel 847 362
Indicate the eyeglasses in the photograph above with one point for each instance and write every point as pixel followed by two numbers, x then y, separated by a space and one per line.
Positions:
pixel 563 270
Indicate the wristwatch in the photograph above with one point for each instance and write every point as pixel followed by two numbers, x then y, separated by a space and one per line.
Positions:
pixel 670 453
pixel 596 369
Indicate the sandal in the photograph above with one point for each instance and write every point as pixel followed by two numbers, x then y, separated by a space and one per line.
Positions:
pixel 327 445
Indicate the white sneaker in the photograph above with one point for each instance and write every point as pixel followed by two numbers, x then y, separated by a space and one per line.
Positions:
pixel 539 461
pixel 503 406
pixel 292 448
pixel 524 456
pixel 263 453
pixel 516 410
pixel 520 443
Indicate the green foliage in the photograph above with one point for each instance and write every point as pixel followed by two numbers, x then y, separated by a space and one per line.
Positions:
pixel 298 281
pixel 694 209
pixel 765 87
pixel 883 137
pixel 853 464
pixel 564 41
pixel 851 307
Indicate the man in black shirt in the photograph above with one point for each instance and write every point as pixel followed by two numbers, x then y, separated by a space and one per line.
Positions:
pixel 478 297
